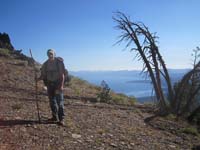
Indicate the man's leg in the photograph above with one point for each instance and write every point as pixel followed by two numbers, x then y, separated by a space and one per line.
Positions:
pixel 52 102
pixel 60 101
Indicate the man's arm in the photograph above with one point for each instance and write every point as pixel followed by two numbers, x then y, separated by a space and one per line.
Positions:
pixel 61 85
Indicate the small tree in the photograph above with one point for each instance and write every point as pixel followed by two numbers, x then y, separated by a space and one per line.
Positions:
pixel 139 39
pixel 104 95
pixel 187 97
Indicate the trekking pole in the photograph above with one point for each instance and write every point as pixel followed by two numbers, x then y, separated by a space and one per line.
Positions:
pixel 36 88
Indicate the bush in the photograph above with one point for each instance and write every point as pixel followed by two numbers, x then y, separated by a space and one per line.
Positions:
pixel 4 52
pixel 190 130
pixel 171 116
pixel 122 99
pixel 104 95
pixel 16 106
pixel 118 99
pixel 132 100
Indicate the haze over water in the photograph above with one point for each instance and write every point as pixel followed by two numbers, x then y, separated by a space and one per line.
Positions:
pixel 131 83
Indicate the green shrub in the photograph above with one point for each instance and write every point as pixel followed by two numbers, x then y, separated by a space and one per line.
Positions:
pixel 16 106
pixel 104 95
pixel 4 52
pixel 190 130
pixel 171 116
pixel 122 99
pixel 132 100
pixel 118 99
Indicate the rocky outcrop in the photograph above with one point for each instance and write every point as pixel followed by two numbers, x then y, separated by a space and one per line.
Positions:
pixel 5 41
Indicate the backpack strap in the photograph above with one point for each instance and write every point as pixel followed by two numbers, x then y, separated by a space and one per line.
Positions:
pixel 65 72
pixel 61 61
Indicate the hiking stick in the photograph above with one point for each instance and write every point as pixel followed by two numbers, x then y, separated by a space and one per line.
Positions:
pixel 36 88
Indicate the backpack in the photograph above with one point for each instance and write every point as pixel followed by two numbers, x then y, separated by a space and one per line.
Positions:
pixel 66 74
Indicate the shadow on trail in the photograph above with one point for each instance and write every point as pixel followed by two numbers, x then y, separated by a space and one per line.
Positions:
pixel 82 98
pixel 149 119
pixel 197 147
pixel 21 90
pixel 10 123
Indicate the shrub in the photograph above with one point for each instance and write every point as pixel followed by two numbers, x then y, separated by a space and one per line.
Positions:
pixel 171 116
pixel 4 52
pixel 190 130
pixel 132 100
pixel 104 95
pixel 118 99
pixel 16 106
pixel 122 99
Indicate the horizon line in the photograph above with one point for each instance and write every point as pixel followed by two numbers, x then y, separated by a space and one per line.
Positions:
pixel 123 70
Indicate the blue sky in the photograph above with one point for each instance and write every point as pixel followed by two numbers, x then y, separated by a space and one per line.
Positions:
pixel 83 33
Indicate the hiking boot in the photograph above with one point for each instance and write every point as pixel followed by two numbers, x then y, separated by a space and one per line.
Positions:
pixel 61 122
pixel 53 119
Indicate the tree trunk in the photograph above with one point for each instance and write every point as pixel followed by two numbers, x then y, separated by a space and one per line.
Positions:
pixel 193 114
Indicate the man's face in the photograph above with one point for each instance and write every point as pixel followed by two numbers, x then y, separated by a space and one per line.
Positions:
pixel 51 55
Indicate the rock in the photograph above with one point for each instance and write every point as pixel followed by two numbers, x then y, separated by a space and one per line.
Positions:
pixel 23 129
pixel 132 144
pixel 89 140
pixel 110 135
pixel 28 125
pixel 172 146
pixel 18 118
pixel 122 143
pixel 76 136
pixel 37 138
pixel 11 131
pixel 79 141
pixel 129 147
pixel 113 145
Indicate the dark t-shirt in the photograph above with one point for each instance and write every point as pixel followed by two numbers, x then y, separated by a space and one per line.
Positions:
pixel 52 70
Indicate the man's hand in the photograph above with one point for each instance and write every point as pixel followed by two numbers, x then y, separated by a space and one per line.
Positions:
pixel 60 87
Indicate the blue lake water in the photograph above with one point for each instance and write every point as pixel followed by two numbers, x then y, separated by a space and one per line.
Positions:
pixel 131 83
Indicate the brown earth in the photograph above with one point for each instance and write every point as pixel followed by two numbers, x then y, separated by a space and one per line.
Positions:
pixel 89 125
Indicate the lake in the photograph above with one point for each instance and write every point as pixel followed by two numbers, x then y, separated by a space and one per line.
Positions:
pixel 131 83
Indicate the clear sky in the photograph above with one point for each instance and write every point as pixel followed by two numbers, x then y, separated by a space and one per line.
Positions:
pixel 83 33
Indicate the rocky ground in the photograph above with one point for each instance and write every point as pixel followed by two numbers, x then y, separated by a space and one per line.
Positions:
pixel 89 125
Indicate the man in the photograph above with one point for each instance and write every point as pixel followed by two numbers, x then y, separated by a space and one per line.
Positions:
pixel 53 75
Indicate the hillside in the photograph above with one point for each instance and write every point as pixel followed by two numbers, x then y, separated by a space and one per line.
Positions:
pixel 89 125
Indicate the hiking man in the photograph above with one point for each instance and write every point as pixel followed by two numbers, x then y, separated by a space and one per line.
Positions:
pixel 53 75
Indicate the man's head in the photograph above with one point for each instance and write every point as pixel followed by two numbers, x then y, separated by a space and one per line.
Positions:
pixel 51 53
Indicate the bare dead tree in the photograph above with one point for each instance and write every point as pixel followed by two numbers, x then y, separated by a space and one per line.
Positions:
pixel 155 51
pixel 139 39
